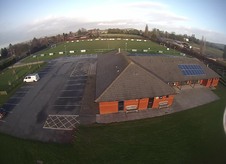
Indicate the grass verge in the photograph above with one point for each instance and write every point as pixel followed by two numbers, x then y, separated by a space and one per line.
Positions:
pixel 12 79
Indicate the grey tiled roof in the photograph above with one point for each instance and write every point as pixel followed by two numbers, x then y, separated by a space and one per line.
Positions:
pixel 120 77
pixel 166 68
pixel 130 82
pixel 109 66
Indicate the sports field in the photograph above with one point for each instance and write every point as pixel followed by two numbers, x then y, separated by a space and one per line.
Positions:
pixel 95 46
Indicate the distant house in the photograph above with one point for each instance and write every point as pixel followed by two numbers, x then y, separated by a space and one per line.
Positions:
pixel 125 83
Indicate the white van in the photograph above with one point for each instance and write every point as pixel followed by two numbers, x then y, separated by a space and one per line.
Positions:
pixel 32 78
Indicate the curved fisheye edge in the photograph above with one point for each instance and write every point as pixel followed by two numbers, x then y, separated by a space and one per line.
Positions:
pixel 224 120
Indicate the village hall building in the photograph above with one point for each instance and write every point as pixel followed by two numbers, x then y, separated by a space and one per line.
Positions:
pixel 127 83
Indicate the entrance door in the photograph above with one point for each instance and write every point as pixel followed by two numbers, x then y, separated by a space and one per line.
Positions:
pixel 120 105
pixel 150 102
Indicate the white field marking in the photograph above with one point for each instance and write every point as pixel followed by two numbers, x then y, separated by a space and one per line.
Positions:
pixel 224 120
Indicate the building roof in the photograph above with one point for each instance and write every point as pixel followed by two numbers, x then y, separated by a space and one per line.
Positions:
pixel 166 68
pixel 118 78
pixel 109 66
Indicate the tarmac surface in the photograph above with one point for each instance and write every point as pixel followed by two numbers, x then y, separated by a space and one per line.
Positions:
pixel 56 97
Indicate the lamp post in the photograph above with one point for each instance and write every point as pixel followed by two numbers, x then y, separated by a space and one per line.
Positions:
pixel 126 46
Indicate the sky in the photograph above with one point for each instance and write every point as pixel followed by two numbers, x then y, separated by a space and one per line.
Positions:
pixel 22 20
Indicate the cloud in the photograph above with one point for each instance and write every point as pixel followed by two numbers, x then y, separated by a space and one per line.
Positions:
pixel 115 15
pixel 147 5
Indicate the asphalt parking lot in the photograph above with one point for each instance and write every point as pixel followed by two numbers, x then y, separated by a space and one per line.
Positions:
pixel 59 92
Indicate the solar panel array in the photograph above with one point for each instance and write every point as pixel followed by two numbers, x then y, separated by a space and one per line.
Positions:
pixel 191 69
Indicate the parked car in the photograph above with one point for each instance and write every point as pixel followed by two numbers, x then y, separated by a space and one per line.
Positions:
pixel 32 78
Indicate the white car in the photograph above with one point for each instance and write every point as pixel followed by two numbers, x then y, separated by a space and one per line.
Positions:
pixel 32 78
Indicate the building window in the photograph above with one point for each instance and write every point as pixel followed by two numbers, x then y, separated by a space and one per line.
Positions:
pixel 121 105
pixel 167 96
pixel 160 97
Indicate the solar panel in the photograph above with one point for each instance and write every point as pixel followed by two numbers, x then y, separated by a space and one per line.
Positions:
pixel 191 69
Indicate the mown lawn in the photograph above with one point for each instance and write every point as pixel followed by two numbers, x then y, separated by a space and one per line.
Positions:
pixel 99 46
pixel 210 50
pixel 192 136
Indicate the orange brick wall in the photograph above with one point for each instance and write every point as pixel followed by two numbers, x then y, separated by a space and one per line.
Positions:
pixel 108 107
pixel 164 98
pixel 210 82
pixel 112 107
pixel 130 102
pixel 143 103
pixel 215 82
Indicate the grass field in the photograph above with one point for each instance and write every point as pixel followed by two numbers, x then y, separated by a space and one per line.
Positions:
pixel 12 79
pixel 192 136
pixel 99 46
pixel 212 51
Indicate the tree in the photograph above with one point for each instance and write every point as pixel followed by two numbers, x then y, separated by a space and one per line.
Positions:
pixel 146 31
pixel 4 52
pixel 10 50
pixel 224 54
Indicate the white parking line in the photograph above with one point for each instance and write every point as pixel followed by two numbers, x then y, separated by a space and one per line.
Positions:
pixel 11 104
pixel 16 97
pixel 21 92
pixel 74 85
pixel 71 75
pixel 43 72
pixel 67 105
pixel 74 80
pixel 27 86
pixel 68 97
pixel 2 121
pixel 71 90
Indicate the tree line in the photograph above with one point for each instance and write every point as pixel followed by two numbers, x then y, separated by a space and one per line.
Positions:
pixel 24 49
